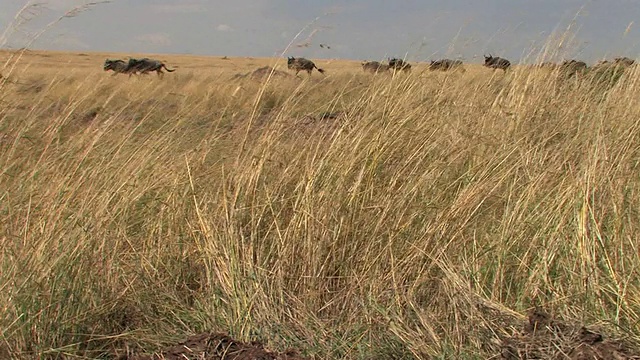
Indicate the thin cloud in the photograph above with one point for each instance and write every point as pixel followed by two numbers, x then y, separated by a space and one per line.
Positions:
pixel 224 28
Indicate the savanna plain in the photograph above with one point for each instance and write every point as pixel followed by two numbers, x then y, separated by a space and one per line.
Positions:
pixel 346 216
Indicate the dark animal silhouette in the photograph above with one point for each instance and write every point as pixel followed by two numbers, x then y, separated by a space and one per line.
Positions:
pixel 399 64
pixel 374 67
pixel 146 65
pixel 573 67
pixel 624 61
pixel 495 62
pixel 445 65
pixel 118 67
pixel 299 64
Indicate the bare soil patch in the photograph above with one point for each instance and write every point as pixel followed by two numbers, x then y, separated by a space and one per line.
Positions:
pixel 544 337
pixel 217 346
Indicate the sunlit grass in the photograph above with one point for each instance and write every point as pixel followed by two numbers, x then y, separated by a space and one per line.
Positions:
pixel 351 216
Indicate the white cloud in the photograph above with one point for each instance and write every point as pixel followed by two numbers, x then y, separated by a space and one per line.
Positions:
pixel 158 39
pixel 224 28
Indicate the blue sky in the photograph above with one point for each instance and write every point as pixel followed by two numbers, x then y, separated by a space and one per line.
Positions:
pixel 354 29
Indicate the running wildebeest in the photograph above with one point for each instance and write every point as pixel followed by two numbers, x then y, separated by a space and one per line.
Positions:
pixel 446 64
pixel 374 67
pixel 299 64
pixel 146 65
pixel 495 62
pixel 399 64
pixel 118 67
pixel 573 67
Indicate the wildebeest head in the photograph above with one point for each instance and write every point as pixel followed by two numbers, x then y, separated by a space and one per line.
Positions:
pixel 496 62
pixel 114 65
pixel 117 66
pixel 107 64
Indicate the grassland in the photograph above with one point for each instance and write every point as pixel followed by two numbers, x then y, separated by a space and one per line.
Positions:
pixel 349 215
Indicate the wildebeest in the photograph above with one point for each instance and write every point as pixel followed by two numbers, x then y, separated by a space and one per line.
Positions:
pixel 374 67
pixel 399 64
pixel 573 67
pixel 146 65
pixel 445 64
pixel 495 62
pixel 299 64
pixel 118 67
pixel 624 61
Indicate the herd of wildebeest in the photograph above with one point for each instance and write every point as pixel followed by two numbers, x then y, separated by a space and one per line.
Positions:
pixel 136 66
pixel 570 67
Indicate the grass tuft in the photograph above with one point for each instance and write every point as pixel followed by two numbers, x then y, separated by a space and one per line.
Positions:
pixel 350 216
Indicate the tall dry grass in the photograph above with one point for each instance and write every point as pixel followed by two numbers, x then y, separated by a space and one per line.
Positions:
pixel 419 220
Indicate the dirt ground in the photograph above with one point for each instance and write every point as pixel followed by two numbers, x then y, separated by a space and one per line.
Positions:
pixel 544 337
pixel 541 337
pixel 216 346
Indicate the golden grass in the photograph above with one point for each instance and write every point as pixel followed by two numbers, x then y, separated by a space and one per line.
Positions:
pixel 419 220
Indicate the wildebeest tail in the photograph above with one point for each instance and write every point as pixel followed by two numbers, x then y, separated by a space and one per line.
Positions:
pixel 321 71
